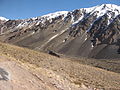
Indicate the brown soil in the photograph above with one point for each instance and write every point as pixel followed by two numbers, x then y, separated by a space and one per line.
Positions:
pixel 75 73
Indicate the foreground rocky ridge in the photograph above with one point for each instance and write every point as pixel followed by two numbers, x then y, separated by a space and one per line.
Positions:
pixel 88 32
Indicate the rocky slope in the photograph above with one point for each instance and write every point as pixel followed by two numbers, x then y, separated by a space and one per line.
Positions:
pixel 87 32
pixel 18 76
pixel 25 69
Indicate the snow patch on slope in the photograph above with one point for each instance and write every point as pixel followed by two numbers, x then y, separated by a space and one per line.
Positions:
pixel 56 14
pixel 78 20
pixel 53 15
pixel 104 8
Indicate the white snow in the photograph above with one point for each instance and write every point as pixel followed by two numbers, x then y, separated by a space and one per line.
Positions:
pixel 72 18
pixel 101 10
pixel 92 45
pixel 22 24
pixel 54 15
pixel 78 20
pixel 104 8
pixel 34 18
pixel 37 23
pixel 53 38
pixel 3 18
pixel 86 37
pixel 56 35
pixel 88 10
pixel 49 17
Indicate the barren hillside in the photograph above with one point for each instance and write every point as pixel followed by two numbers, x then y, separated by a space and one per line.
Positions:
pixel 51 72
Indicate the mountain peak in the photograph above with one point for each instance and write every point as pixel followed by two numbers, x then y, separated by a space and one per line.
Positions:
pixel 105 7
pixel 90 28
pixel 3 19
pixel 109 5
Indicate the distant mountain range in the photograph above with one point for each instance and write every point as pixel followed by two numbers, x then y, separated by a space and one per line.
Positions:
pixel 87 32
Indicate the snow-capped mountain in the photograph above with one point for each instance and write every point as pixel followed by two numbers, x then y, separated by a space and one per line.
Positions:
pixel 105 9
pixel 89 32
pixel 3 18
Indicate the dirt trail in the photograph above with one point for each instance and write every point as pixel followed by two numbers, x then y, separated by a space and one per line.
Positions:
pixel 15 76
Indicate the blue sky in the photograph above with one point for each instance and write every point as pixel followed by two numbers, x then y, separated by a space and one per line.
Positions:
pixel 21 9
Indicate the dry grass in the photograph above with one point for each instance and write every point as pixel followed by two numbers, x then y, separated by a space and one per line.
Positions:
pixel 107 64
pixel 74 71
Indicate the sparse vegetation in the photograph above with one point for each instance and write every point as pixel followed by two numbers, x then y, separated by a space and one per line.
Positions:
pixel 73 71
pixel 107 64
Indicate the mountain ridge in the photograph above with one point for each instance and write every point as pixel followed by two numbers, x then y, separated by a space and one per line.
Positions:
pixel 87 29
